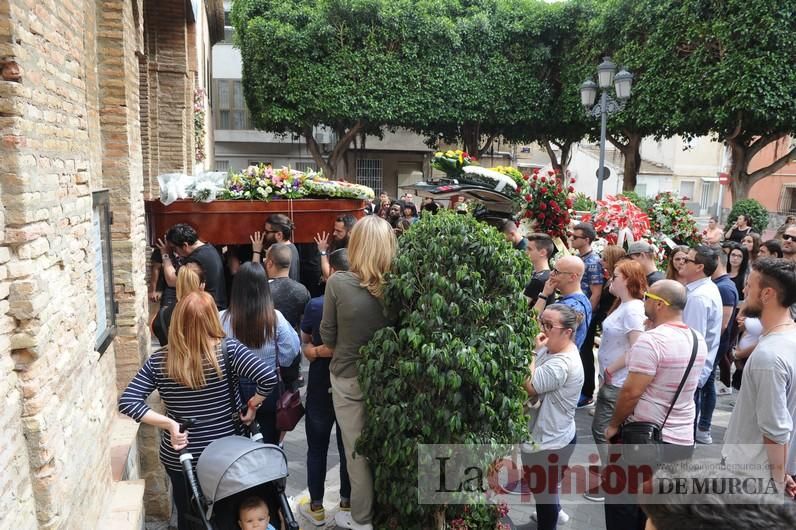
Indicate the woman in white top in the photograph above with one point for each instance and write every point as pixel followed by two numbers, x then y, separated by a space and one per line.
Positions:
pixel 555 381
pixel 750 330
pixel 620 331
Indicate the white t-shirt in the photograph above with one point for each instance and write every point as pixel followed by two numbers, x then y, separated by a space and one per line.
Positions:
pixel 629 316
pixel 752 330
pixel 766 405
pixel 664 353
pixel 557 379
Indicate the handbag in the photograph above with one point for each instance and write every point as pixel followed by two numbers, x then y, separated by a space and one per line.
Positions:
pixel 642 441
pixel 240 428
pixel 289 409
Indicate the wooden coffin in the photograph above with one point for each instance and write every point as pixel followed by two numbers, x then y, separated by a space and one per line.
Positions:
pixel 232 222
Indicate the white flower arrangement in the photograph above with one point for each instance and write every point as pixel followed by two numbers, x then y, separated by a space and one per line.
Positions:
pixel 501 180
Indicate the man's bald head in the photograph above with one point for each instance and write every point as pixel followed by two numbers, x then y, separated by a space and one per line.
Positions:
pixel 672 291
pixel 571 264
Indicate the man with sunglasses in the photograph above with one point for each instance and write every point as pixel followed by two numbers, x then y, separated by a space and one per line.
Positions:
pixel 789 242
pixel 565 277
pixel 703 313
pixel 657 363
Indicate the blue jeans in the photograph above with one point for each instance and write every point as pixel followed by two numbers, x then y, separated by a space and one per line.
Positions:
pixel 547 503
pixel 318 422
pixel 705 401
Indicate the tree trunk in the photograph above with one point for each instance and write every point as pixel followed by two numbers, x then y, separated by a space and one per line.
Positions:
pixel 471 139
pixel 559 165
pixel 743 152
pixel 344 140
pixel 632 156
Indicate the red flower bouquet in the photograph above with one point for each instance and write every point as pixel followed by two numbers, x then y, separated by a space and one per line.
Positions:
pixel 548 203
pixel 616 214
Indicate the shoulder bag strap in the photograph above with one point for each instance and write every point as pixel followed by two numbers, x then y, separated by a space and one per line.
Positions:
pixel 685 376
pixel 230 389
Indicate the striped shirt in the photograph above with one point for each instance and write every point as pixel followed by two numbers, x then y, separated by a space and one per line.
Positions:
pixel 209 406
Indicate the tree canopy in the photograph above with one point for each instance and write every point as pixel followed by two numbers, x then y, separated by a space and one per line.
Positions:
pixel 467 71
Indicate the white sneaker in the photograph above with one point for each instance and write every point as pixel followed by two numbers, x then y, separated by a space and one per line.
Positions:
pixel 563 517
pixel 703 437
pixel 316 518
pixel 344 520
pixel 722 390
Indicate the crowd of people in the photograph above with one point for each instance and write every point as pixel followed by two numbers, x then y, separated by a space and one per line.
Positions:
pixel 244 315
pixel 664 339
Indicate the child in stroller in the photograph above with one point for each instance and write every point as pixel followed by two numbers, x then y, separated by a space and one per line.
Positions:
pixel 229 471
pixel 254 514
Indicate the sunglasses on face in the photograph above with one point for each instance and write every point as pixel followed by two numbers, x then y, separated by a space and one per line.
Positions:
pixel 651 296
pixel 788 237
pixel 689 260
pixel 547 326
pixel 556 272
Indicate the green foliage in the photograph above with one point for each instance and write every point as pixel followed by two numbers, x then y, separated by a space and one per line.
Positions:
pixel 669 216
pixel 583 203
pixel 642 202
pixel 756 215
pixel 451 370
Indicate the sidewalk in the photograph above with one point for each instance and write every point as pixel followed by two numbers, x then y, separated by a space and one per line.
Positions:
pixel 584 515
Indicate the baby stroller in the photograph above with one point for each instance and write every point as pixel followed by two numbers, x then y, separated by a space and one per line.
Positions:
pixel 231 469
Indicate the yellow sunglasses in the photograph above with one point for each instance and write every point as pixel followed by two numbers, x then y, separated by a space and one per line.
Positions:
pixel 650 296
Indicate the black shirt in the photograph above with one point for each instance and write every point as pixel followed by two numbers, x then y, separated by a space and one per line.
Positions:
pixel 210 260
pixel 522 244
pixel 290 297
pixel 737 234
pixel 535 286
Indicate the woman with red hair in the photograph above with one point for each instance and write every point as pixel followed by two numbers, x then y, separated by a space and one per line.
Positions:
pixel 620 330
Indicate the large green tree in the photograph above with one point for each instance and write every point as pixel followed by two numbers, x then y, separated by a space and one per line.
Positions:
pixel 490 78
pixel 736 78
pixel 353 65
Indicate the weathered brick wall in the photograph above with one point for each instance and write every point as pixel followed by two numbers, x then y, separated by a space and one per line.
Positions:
pixel 170 106
pixel 61 394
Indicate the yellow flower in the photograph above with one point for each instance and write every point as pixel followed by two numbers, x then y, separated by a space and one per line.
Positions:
pixel 438 153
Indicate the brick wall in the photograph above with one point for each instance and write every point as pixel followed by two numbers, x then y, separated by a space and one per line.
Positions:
pixel 93 95
pixel 61 394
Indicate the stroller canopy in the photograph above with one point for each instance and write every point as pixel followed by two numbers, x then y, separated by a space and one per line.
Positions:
pixel 235 463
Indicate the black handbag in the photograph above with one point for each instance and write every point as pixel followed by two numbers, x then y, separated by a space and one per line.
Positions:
pixel 240 428
pixel 642 441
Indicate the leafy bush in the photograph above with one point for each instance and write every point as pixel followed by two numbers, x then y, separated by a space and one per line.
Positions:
pixel 642 202
pixel 756 214
pixel 451 370
pixel 583 203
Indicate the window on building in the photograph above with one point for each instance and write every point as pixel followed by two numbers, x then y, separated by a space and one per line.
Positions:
pixel 258 162
pixel 103 271
pixel 687 189
pixel 369 173
pixel 787 202
pixel 230 108
pixel 228 29
pixel 641 189
pixel 222 165
pixel 305 166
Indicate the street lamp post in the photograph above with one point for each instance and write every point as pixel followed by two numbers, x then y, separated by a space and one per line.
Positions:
pixel 606 76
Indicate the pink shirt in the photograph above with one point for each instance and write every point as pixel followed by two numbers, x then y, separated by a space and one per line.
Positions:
pixel 664 353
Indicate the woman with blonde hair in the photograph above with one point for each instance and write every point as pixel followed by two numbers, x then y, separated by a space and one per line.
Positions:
pixel 190 278
pixel 353 312
pixel 192 375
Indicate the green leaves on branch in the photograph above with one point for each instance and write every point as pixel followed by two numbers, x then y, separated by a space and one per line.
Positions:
pixel 451 370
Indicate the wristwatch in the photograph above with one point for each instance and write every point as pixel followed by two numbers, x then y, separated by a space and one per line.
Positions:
pixel 323 252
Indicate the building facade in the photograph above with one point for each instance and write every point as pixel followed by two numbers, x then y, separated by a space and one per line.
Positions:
pixel 96 99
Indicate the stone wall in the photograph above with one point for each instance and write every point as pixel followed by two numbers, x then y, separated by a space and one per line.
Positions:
pixel 94 94
pixel 61 393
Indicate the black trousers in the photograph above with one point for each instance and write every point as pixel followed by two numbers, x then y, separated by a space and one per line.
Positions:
pixel 587 357
pixel 621 510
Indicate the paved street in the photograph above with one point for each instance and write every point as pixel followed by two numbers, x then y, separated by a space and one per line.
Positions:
pixel 584 515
